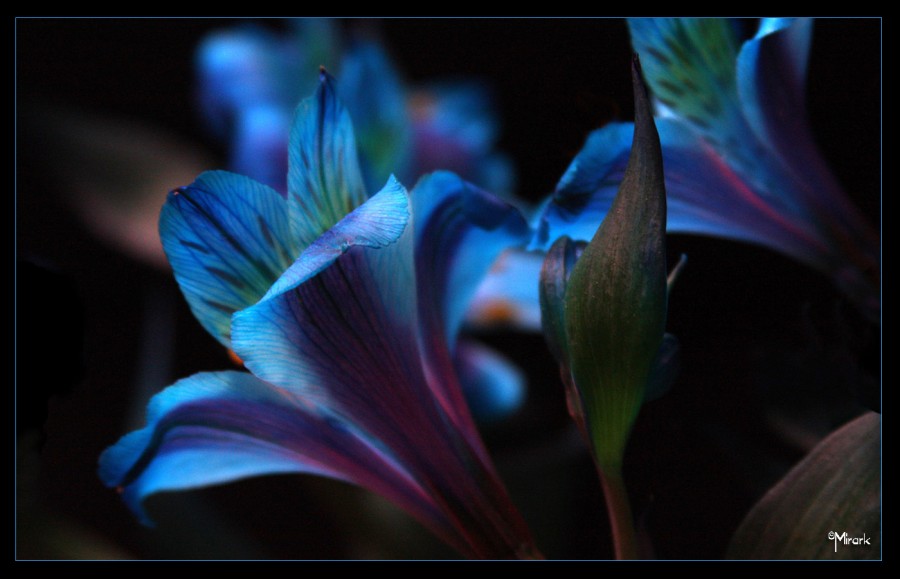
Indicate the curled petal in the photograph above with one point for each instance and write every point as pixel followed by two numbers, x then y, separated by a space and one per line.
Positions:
pixel 376 223
pixel 342 298
pixel 586 191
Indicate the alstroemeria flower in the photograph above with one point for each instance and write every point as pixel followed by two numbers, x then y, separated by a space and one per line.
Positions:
pixel 251 79
pixel 345 311
pixel 740 160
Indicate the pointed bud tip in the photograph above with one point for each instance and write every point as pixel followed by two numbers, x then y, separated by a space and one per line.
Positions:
pixel 637 79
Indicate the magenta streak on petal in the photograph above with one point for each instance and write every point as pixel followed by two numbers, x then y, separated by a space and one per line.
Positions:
pixel 751 197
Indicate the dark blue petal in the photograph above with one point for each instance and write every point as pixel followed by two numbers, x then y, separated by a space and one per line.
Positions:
pixel 494 387
pixel 376 99
pixel 324 180
pixel 705 194
pixel 214 428
pixel 771 81
pixel 586 190
pixel 460 232
pixel 228 240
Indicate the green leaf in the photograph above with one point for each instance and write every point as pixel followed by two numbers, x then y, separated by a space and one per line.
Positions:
pixel 834 489
pixel 616 295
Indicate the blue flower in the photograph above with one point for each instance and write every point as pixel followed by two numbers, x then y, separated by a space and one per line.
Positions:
pixel 345 309
pixel 740 160
pixel 251 78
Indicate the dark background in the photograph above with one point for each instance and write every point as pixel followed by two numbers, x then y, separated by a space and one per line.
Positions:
pixel 769 348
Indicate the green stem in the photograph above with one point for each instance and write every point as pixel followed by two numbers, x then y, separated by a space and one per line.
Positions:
pixel 619 513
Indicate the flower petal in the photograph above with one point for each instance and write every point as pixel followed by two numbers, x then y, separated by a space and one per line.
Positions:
pixel 771 84
pixel 586 191
pixel 228 240
pixel 494 387
pixel 508 295
pixel 259 145
pixel 347 302
pixel 455 129
pixel 239 69
pixel 376 223
pixel 219 427
pixel 346 337
pixel 689 64
pixel 705 195
pixel 375 96
pixel 324 180
pixel 460 232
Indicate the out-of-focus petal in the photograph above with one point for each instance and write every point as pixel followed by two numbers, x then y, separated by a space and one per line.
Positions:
pixel 237 68
pixel 258 150
pixel 494 387
pixel 227 239
pixel 374 94
pixel 508 294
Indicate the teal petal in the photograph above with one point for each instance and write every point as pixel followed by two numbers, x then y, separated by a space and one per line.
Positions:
pixel 227 238
pixel 689 64
pixel 324 179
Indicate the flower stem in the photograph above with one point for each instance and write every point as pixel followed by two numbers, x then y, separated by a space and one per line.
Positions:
pixel 619 510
